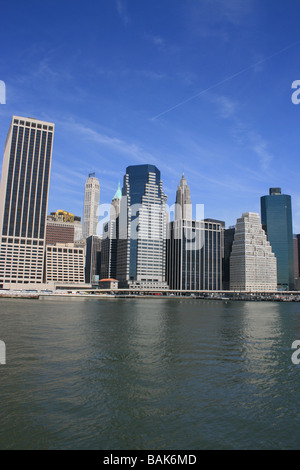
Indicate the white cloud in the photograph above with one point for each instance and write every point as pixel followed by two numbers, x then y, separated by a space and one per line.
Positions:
pixel 260 148
pixel 242 133
pixel 233 11
pixel 122 10
pixel 129 150
pixel 157 40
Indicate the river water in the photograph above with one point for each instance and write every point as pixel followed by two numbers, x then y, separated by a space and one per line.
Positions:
pixel 133 374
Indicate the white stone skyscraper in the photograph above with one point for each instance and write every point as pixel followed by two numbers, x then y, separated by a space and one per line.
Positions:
pixel 91 206
pixel 253 265
pixel 183 207
pixel 23 201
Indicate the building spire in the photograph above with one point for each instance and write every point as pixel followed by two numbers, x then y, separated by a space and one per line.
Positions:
pixel 118 194
pixel 183 207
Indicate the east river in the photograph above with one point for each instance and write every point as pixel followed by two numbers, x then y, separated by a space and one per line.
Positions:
pixel 85 373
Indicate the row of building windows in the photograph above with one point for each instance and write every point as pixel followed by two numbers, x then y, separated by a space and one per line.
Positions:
pixel 33 124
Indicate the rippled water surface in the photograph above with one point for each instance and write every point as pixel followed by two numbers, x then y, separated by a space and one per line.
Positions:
pixel 149 374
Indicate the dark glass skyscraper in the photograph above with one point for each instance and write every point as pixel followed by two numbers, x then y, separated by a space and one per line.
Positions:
pixel 276 219
pixel 23 200
pixel 92 259
pixel 142 229
pixel 194 255
pixel 110 236
pixel 228 242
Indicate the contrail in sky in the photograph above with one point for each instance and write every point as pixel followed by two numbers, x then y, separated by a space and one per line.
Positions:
pixel 225 80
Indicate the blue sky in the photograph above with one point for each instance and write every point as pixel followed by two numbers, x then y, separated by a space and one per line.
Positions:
pixel 200 86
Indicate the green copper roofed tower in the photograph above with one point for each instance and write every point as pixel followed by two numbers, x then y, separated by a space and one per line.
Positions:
pixel 276 219
pixel 118 194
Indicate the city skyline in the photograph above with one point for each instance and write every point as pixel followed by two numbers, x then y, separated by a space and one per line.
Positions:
pixel 164 84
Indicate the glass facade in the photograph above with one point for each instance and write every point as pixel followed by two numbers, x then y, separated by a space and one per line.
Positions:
pixel 92 258
pixel 142 228
pixel 194 255
pixel 276 219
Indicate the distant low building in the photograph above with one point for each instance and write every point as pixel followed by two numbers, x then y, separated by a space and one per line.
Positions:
pixel 108 284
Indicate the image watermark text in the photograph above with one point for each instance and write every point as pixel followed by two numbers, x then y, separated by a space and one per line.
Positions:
pixel 2 353
pixel 2 92
pixel 295 356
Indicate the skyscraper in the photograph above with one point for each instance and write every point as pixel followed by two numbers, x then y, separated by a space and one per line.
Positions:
pixel 194 247
pixel 228 242
pixel 297 261
pixel 252 262
pixel 141 258
pixel 23 200
pixel 276 219
pixel 91 206
pixel 110 239
pixel 93 259
pixel 194 255
pixel 183 207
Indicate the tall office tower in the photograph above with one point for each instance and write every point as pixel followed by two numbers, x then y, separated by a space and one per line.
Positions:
pixel 23 201
pixel 110 239
pixel 276 219
pixel 141 258
pixel 183 207
pixel 91 206
pixel 252 262
pixel 228 242
pixel 194 255
pixel 93 260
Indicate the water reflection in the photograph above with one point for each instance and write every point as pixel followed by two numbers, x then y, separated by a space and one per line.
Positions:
pixel 148 373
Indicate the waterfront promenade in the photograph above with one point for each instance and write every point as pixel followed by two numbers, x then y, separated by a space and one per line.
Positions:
pixel 276 296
